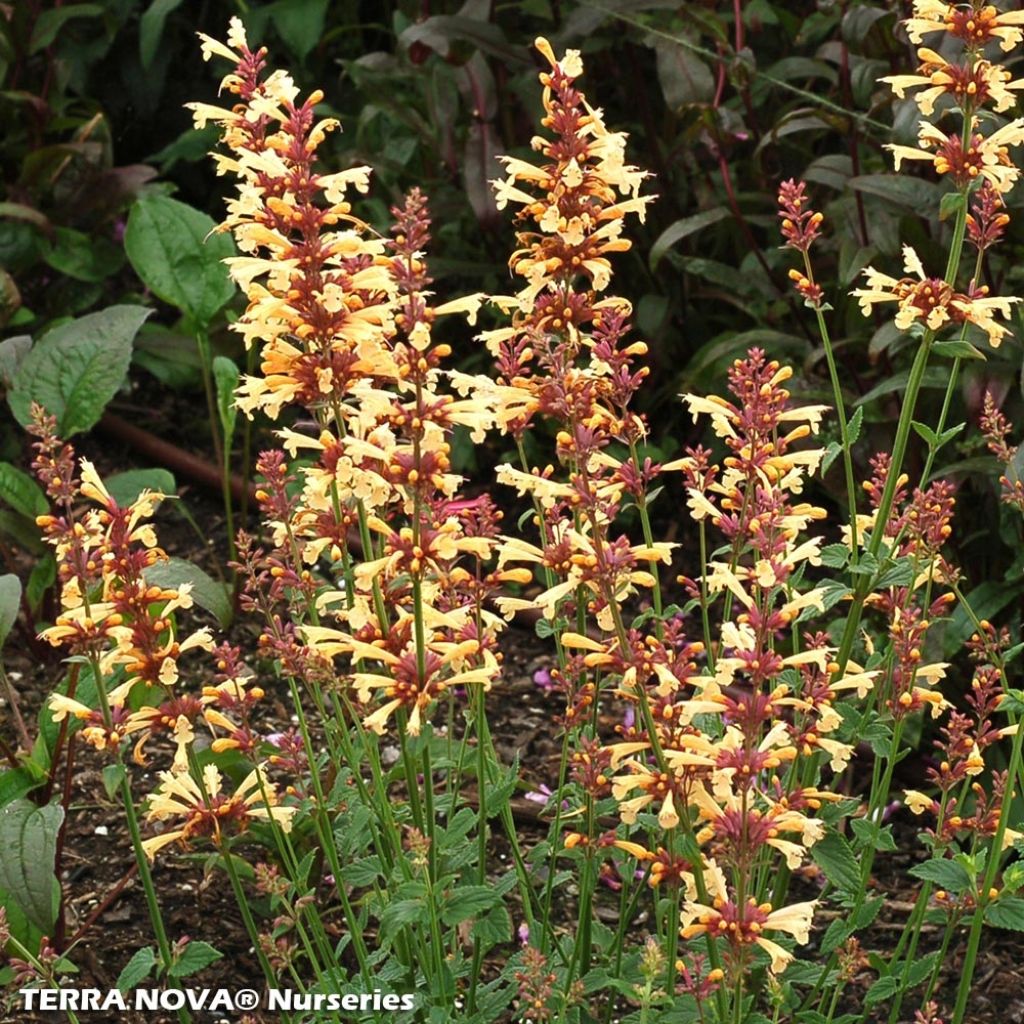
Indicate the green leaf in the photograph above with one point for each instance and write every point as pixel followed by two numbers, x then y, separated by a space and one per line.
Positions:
pixel 896 574
pixel 685 79
pixel 957 350
pixel 113 776
pixel 951 204
pixel 137 969
pixel 193 959
pixel 986 600
pixel 300 23
pixel 835 556
pixel 84 257
pixel 871 835
pixel 832 452
pixel 225 376
pixel 21 492
pixel 1006 912
pixel 912 194
pixel 49 23
pixel 683 228
pixel 28 849
pixel 125 487
pixel 468 901
pixel 12 351
pixel 166 241
pixel 400 912
pixel 920 969
pixel 206 591
pixel 151 26
pixel 854 425
pixel 836 859
pixel 75 369
pixel 40 579
pixel 946 874
pixel 883 988
pixel 10 602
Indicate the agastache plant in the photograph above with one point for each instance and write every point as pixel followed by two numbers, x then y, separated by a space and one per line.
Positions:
pixel 727 762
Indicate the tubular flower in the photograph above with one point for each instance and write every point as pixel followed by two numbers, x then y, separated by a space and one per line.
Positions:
pixel 207 812
pixel 934 302
pixel 973 84
pixel 975 24
pixel 985 157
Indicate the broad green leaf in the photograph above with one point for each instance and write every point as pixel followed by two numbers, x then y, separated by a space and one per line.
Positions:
pixel 987 600
pixel 84 257
pixel 166 241
pixel 21 492
pixel 137 969
pixel 883 988
pixel 1006 912
pixel 196 956
pixel 10 602
pixel 206 591
pixel 300 23
pixel 125 487
pixel 836 859
pixel 684 78
pixel 28 847
pixel 12 351
pixel 75 369
pixel 468 901
pixel 947 874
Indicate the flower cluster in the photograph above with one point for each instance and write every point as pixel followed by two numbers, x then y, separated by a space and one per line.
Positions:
pixel 967 83
pixel 123 623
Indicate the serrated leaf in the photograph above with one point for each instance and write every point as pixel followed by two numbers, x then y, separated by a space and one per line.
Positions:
pixel 28 848
pixel 883 988
pixel 468 901
pixel 206 591
pixel 167 244
pixel 10 602
pixel 137 969
pixel 920 969
pixel 193 959
pixel 835 556
pixel 836 859
pixel 73 370
pixel 871 835
pixel 125 487
pixel 1006 912
pixel 926 432
pixel 899 574
pixel 946 874
pixel 854 424
pixel 832 452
